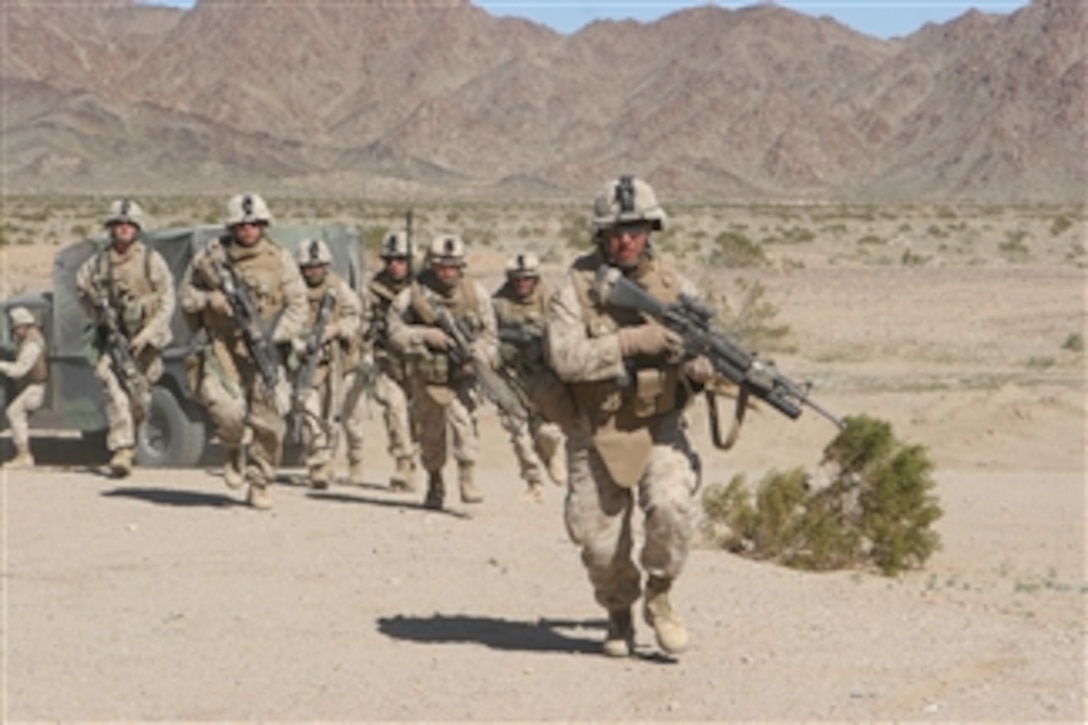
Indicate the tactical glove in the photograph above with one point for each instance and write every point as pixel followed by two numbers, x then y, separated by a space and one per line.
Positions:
pixel 140 341
pixel 332 331
pixel 699 370
pixel 217 302
pixel 436 339
pixel 649 339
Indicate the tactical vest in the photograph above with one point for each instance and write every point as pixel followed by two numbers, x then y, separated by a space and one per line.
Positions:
pixel 434 366
pixel 527 314
pixel 314 296
pixel 259 269
pixel 382 290
pixel 39 371
pixel 128 285
pixel 622 412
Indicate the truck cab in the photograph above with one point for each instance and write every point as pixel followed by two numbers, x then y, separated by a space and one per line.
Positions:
pixel 177 432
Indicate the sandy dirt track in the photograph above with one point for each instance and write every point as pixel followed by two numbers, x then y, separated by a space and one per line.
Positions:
pixel 162 598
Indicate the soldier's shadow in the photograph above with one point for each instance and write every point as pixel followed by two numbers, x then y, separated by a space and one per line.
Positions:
pixel 336 497
pixel 173 497
pixel 497 633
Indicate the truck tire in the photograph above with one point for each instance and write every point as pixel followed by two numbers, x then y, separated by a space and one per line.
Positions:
pixel 170 438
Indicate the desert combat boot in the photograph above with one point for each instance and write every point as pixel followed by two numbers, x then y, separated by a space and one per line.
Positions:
pixel 258 497
pixel 657 610
pixel 436 491
pixel 121 462
pixel 404 478
pixel 467 483
pixel 234 468
pixel 620 640
pixel 320 475
pixel 355 473
pixel 22 459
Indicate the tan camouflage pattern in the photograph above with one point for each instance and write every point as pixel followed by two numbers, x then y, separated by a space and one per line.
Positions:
pixel 141 290
pixel 230 386
pixel 18 411
pixel 598 510
pixel 536 441
pixel 391 379
pixel 123 419
pixel 330 394
pixel 393 397
pixel 27 372
pixel 436 408
pixel 143 284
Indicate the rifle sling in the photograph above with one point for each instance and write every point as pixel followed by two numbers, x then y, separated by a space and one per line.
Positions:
pixel 738 419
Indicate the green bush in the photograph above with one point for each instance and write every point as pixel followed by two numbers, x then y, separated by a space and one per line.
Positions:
pixel 877 509
pixel 1060 225
pixel 1075 342
pixel 752 324
pixel 734 249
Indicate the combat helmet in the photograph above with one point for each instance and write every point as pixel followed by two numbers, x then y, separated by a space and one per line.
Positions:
pixel 447 249
pixel 20 316
pixel 125 211
pixel 523 265
pixel 313 253
pixel 626 199
pixel 395 245
pixel 247 208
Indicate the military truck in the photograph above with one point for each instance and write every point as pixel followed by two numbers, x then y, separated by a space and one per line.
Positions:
pixel 178 432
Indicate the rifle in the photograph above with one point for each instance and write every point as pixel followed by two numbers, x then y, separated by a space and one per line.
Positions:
pixel 691 320
pixel 258 340
pixel 494 387
pixel 304 380
pixel 520 334
pixel 123 363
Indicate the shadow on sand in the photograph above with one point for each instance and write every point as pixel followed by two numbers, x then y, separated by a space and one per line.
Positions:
pixel 503 634
pixel 174 497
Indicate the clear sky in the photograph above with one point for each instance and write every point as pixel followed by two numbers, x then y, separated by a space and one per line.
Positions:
pixel 882 18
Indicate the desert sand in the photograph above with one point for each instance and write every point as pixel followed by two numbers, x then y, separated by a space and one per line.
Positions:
pixel 162 597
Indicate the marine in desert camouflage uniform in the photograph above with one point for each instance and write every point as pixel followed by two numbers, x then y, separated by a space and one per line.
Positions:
pixel 137 285
pixel 29 372
pixel 249 418
pixel 443 395
pixel 520 312
pixel 389 365
pixel 337 357
pixel 627 445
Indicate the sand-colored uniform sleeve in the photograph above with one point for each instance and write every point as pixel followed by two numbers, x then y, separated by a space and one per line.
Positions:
pixel 487 340
pixel 571 352
pixel 351 310
pixel 157 327
pixel 193 290
pixel 296 309
pixel 85 286
pixel 28 354
pixel 404 338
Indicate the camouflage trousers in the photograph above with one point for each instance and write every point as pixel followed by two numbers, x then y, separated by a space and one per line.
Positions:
pixel 240 405
pixel 319 432
pixel 438 409
pixel 122 417
pixel 535 443
pixel 354 415
pixel 598 513
pixel 19 409
pixel 393 398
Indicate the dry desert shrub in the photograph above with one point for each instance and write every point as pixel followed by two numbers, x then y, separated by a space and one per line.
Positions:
pixel 877 508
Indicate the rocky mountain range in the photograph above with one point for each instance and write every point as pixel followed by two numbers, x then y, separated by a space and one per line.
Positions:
pixel 383 98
